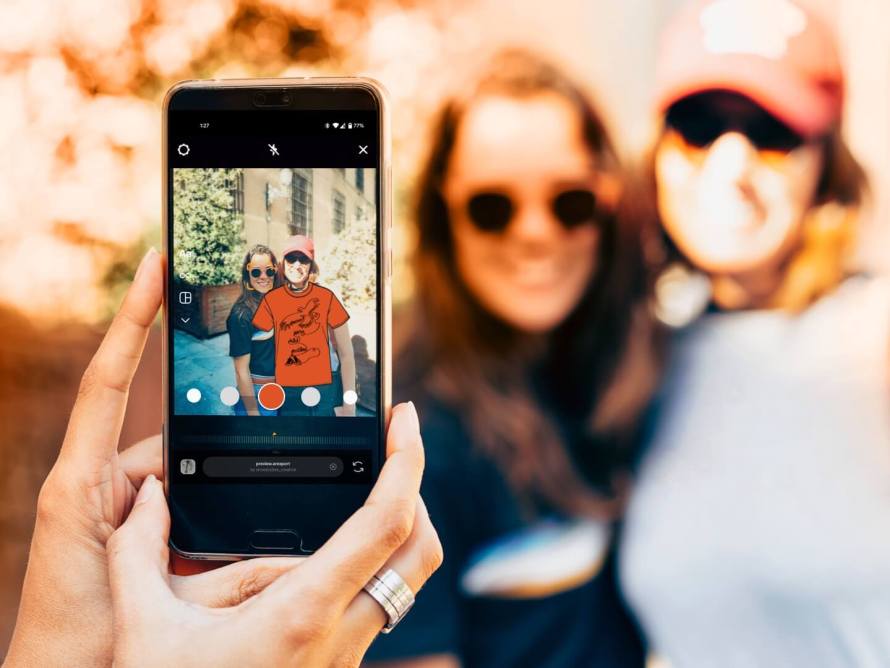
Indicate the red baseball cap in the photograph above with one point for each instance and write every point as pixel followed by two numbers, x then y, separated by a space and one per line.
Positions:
pixel 300 243
pixel 776 52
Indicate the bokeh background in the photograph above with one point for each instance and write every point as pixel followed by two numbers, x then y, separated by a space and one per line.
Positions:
pixel 81 83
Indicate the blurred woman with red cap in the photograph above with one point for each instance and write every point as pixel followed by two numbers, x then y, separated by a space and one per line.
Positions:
pixel 757 532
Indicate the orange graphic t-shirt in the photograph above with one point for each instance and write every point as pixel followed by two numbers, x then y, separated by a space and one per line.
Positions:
pixel 300 322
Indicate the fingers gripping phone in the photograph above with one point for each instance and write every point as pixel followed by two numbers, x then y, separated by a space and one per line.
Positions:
pixel 276 360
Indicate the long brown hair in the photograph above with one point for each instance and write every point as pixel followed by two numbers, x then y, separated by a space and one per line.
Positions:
pixel 507 386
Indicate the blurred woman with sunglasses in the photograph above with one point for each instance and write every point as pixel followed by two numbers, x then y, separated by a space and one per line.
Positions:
pixel 757 534
pixel 529 357
pixel 254 359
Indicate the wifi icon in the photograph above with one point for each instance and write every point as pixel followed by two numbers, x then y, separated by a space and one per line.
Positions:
pixel 335 124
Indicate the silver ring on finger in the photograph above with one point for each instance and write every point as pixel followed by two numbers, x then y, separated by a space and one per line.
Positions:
pixel 393 594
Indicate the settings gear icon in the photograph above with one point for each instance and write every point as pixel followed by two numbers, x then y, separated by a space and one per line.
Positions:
pixel 183 150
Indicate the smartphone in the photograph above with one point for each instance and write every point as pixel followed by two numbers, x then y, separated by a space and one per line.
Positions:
pixel 277 312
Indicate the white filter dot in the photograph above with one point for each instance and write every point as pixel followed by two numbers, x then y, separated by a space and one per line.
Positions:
pixel 310 396
pixel 350 397
pixel 193 395
pixel 229 395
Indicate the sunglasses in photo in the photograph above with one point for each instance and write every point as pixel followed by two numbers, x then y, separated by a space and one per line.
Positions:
pixel 492 211
pixel 700 124
pixel 256 272
pixel 297 257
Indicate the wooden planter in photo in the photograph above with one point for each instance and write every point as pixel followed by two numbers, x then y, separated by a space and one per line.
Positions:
pixel 207 311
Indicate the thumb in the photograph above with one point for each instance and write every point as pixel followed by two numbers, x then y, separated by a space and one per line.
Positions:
pixel 138 554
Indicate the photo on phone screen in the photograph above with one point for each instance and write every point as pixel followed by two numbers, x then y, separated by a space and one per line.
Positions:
pixel 276 327
pixel 302 326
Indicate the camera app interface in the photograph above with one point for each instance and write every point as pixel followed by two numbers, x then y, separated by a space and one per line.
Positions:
pixel 273 295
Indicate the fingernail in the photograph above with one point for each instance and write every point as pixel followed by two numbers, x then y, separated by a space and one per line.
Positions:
pixel 415 420
pixel 150 253
pixel 146 491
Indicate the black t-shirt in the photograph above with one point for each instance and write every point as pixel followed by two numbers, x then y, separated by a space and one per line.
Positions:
pixel 240 327
pixel 473 508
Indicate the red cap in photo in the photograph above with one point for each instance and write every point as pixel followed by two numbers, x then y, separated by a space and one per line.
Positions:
pixel 301 244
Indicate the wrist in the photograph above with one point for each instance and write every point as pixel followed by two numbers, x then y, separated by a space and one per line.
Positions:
pixel 64 617
pixel 34 644
pixel 56 631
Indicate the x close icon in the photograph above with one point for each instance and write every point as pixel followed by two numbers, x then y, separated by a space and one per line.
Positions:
pixel 362 150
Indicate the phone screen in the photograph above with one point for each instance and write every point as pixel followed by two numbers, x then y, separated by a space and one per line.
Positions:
pixel 275 327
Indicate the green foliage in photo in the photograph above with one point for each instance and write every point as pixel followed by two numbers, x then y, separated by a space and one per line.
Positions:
pixel 350 269
pixel 208 236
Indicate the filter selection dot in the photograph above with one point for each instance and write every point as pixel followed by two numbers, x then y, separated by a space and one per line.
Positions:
pixel 310 396
pixel 271 396
pixel 229 395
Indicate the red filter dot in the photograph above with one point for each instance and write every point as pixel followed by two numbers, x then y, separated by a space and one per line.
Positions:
pixel 271 396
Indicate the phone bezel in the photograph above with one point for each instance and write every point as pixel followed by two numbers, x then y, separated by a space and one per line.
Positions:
pixel 384 230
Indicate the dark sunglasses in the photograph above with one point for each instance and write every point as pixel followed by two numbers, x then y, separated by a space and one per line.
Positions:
pixel 256 272
pixel 700 124
pixel 295 257
pixel 493 211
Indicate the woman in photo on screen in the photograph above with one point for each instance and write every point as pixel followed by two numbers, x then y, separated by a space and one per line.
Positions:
pixel 252 356
pixel 757 530
pixel 529 354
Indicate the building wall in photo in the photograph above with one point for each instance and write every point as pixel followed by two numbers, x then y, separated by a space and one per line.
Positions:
pixel 323 204
pixel 319 203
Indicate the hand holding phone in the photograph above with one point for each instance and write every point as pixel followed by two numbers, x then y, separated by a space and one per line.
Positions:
pixel 92 486
pixel 307 613
pixel 85 498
